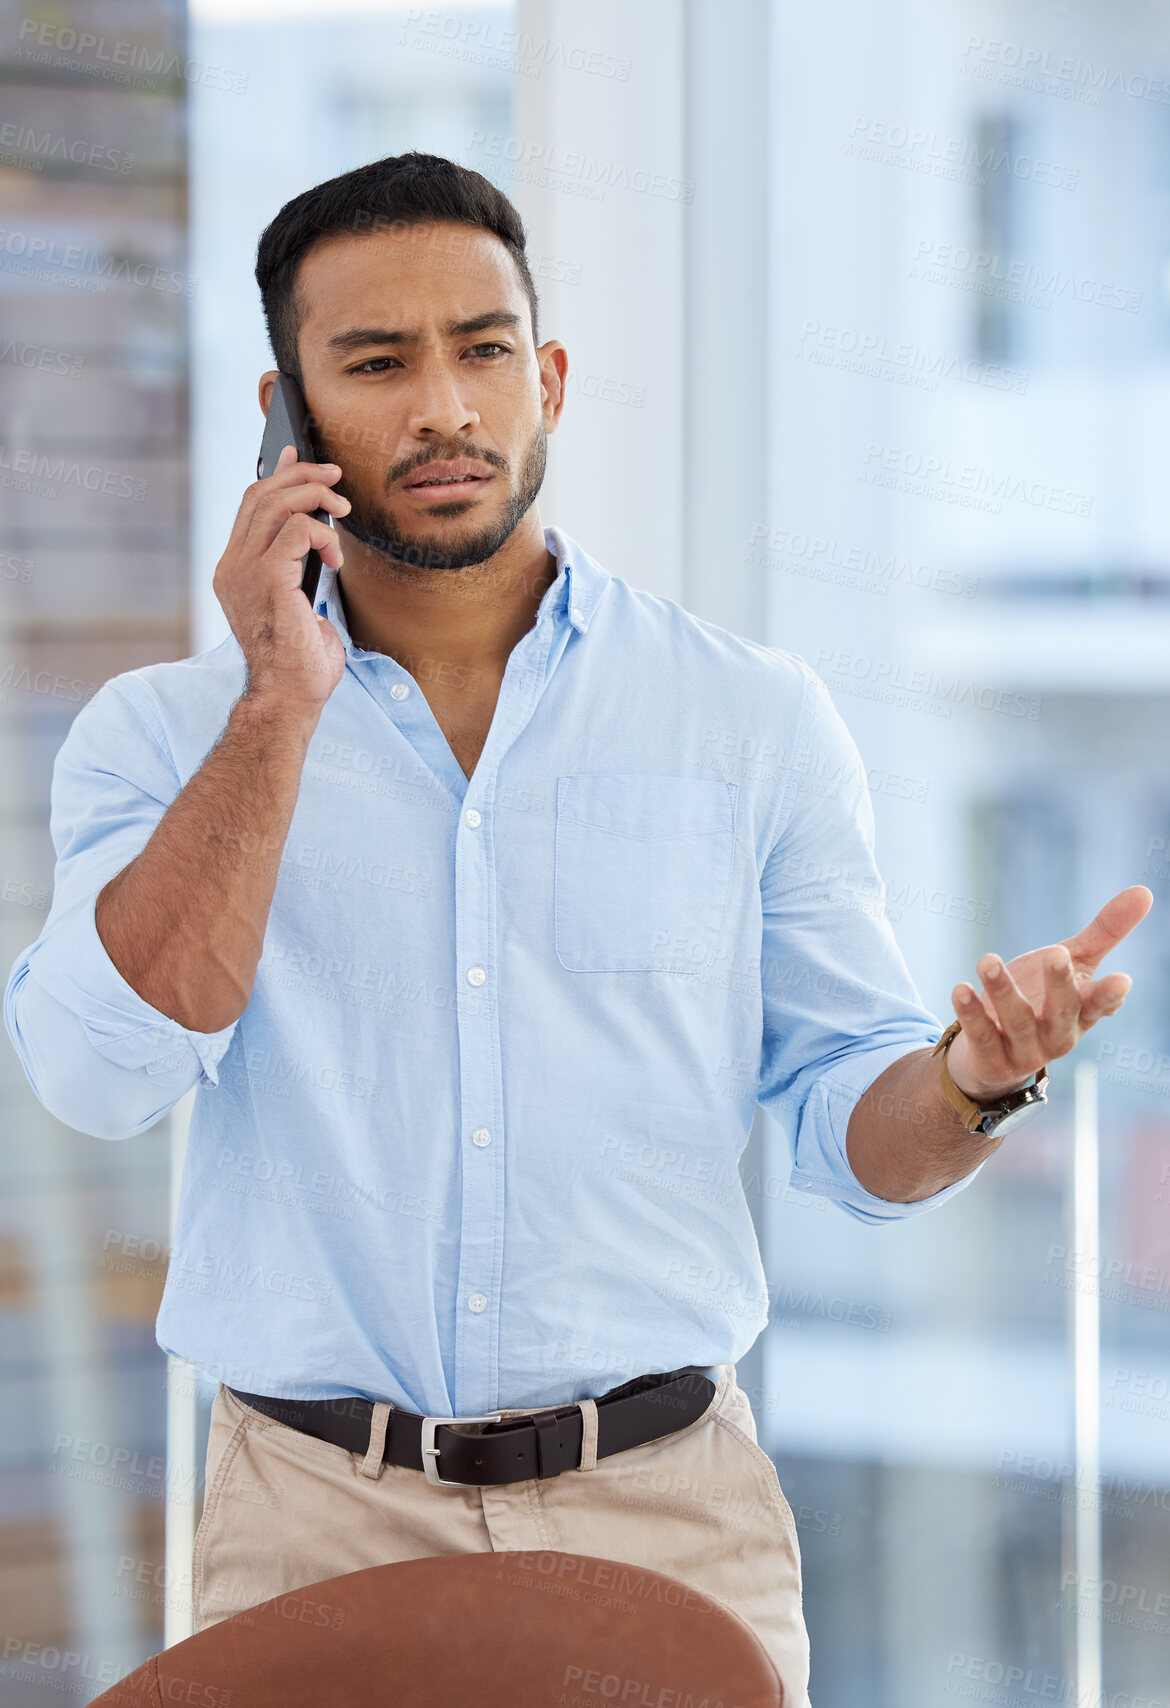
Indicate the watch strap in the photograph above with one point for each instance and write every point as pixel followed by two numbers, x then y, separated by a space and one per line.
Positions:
pixel 967 1110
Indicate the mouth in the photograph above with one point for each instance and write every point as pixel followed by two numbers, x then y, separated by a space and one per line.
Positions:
pixel 447 480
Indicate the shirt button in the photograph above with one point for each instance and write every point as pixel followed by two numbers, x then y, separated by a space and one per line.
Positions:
pixel 472 817
pixel 399 691
pixel 477 1303
pixel 481 1136
pixel 475 975
pixel 576 616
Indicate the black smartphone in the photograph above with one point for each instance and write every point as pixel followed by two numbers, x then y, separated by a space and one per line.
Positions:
pixel 287 423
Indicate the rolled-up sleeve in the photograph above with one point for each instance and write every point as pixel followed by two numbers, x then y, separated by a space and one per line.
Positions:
pixel 96 1054
pixel 839 1003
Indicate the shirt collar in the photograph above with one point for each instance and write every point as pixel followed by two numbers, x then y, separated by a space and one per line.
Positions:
pixel 573 596
pixel 580 582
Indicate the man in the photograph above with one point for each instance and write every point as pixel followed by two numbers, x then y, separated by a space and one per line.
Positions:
pixel 480 964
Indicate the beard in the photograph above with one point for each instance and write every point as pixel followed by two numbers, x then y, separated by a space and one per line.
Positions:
pixel 371 523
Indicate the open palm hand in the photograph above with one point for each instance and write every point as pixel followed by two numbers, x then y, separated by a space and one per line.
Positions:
pixel 1040 1004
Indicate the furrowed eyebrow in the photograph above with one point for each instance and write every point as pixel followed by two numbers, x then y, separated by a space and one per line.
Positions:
pixel 362 337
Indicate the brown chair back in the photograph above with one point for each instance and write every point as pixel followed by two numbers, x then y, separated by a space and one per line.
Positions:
pixel 511 1630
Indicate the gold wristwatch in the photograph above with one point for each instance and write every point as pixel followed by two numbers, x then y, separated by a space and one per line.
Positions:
pixel 1007 1112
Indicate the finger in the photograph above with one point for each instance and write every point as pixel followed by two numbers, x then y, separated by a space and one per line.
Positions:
pixel 288 471
pixel 1103 998
pixel 1057 1026
pixel 299 535
pixel 311 495
pixel 285 460
pixel 275 508
pixel 330 639
pixel 981 1029
pixel 1115 921
pixel 1015 1014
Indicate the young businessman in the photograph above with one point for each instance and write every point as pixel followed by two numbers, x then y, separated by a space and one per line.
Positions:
pixel 443 895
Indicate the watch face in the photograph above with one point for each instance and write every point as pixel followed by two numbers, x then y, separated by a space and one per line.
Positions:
pixel 1000 1124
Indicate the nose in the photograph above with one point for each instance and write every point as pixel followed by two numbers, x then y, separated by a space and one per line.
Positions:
pixel 437 408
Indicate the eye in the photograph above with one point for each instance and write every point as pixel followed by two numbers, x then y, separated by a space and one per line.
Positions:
pixel 479 349
pixel 372 365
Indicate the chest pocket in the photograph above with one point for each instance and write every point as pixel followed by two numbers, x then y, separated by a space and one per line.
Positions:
pixel 642 871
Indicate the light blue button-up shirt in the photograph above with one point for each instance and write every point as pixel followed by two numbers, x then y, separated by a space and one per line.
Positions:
pixel 474 1141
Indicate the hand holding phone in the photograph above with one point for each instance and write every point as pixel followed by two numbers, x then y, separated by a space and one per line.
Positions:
pixel 295 658
pixel 287 424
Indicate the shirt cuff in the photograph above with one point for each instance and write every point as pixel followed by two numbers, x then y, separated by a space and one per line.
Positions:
pixel 821 1165
pixel 72 965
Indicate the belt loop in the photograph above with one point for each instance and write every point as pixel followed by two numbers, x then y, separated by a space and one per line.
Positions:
pixel 588 1434
pixel 371 1465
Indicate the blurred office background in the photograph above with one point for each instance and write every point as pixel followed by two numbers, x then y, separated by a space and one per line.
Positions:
pixel 868 311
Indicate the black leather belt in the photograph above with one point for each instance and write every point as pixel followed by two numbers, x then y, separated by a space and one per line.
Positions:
pixel 542 1443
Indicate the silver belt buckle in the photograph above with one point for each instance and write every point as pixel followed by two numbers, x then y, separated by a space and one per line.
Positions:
pixel 430 1453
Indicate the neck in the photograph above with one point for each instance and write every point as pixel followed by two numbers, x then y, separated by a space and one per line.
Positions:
pixel 468 619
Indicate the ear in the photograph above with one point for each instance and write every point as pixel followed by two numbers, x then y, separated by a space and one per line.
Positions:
pixel 267 381
pixel 554 367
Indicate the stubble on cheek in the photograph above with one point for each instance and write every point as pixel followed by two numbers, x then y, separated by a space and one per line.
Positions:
pixel 467 533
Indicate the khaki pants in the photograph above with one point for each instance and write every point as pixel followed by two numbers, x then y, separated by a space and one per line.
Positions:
pixel 704 1505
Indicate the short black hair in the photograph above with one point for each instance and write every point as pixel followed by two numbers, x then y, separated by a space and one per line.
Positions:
pixel 400 191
